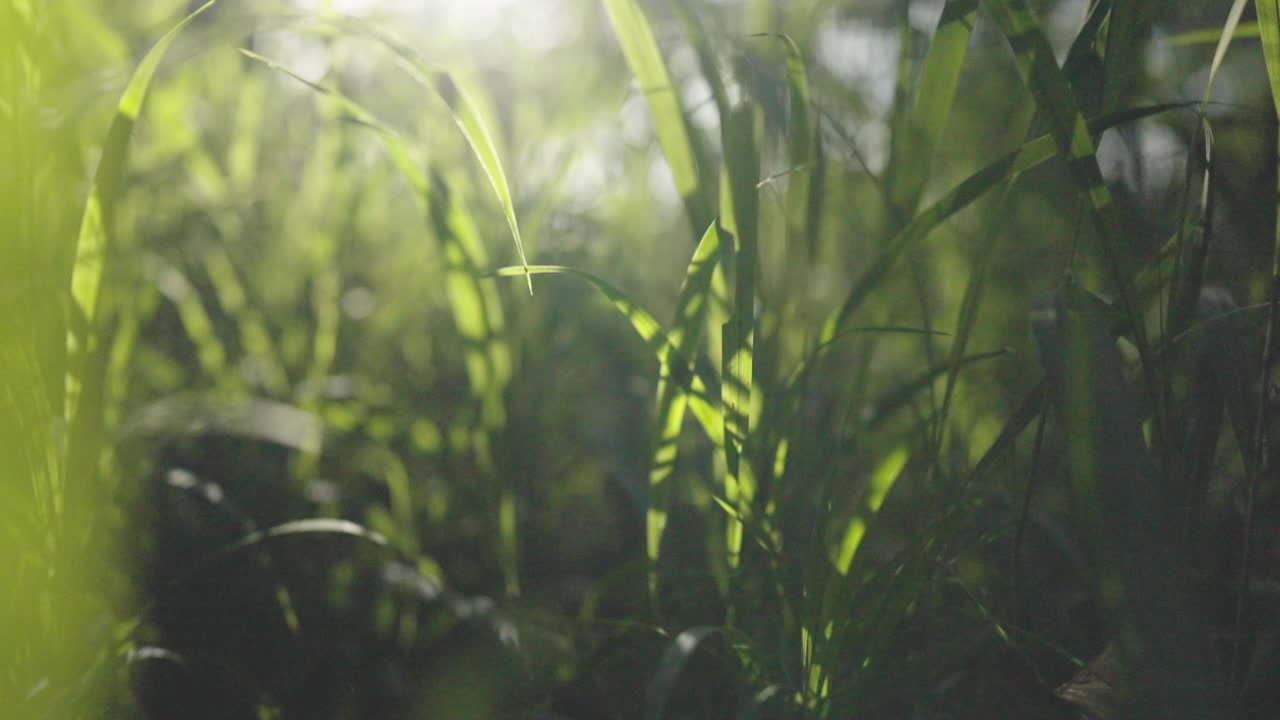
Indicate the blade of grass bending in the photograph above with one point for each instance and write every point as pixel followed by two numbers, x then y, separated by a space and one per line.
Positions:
pixel 1030 155
pixel 1056 103
pixel 90 252
pixel 465 115
pixel 1225 37
pixel 691 308
pixel 95 224
pixel 934 95
pixel 878 486
pixel 194 414
pixel 392 142
pixel 673 661
pixel 663 98
pixel 1269 28
pixel 472 125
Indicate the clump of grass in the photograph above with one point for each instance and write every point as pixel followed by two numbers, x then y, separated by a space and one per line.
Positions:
pixel 339 464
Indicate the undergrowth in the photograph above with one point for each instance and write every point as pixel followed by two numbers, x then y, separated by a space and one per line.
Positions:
pixel 931 384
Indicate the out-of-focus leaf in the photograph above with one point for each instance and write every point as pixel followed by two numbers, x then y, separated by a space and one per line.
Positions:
pixel 195 414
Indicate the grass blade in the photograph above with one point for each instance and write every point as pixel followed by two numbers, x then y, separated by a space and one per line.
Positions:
pixel 256 418
pixel 95 225
pixel 937 88
pixel 878 486
pixel 671 400
pixel 1072 136
pixel 738 334
pixel 645 60
pixel 469 121
pixel 673 660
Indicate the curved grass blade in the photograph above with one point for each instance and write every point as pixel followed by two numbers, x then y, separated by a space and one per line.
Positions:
pixel 469 121
pixel 475 306
pixel 691 308
pixel 466 115
pixel 395 145
pixel 96 222
pixel 673 661
pixel 645 60
pixel 195 414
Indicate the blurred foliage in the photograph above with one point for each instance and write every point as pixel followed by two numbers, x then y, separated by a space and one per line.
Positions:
pixel 310 455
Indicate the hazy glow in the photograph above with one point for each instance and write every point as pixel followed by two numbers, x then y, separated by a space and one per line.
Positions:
pixel 535 24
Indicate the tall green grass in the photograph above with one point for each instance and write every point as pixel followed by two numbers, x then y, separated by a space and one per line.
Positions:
pixel 268 349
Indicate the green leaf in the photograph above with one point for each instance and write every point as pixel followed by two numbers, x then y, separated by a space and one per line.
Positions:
pixel 937 88
pixel 878 486
pixel 663 97
pixel 468 119
pixel 691 308
pixel 1074 141
pixel 92 242
pixel 673 660
pixel 740 200
pixel 197 414
pixel 1220 52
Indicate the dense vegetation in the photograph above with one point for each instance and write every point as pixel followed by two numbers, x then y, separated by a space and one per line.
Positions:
pixel 573 359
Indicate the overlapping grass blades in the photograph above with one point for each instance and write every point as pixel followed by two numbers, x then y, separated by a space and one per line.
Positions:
pixel 691 306
pixel 475 306
pixel 934 96
pixel 1057 105
pixel 83 392
pixel 95 226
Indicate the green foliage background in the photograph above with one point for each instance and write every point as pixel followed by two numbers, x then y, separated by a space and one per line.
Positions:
pixel 280 438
